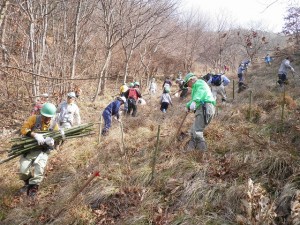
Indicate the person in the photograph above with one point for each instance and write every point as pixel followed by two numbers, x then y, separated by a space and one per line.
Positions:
pixel 165 100
pixel 268 60
pixel 113 109
pixel 218 83
pixel 153 87
pixel 132 94
pixel 179 75
pixel 246 63
pixel 39 104
pixel 68 112
pixel 241 72
pixel 167 83
pixel 123 89
pixel 78 91
pixel 226 68
pixel 182 89
pixel 37 158
pixel 203 105
pixel 282 72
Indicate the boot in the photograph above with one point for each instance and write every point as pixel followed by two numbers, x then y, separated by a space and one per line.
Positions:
pixel 104 132
pixel 32 190
pixel 201 145
pixel 24 188
pixel 190 146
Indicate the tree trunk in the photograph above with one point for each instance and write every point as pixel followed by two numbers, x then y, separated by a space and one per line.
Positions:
pixel 75 40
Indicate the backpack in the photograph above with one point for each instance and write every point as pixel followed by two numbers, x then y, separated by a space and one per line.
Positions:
pixel 216 80
pixel 132 94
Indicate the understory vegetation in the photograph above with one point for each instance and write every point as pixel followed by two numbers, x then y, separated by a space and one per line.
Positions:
pixel 249 175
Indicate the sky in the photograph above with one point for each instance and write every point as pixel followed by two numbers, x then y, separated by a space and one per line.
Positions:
pixel 245 13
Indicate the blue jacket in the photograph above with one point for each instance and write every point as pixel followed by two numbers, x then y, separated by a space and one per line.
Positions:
pixel 113 108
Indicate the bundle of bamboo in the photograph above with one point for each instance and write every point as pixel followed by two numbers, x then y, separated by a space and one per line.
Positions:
pixel 24 144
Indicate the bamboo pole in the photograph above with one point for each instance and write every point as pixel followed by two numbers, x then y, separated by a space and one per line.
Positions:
pixel 233 87
pixel 250 105
pixel 100 129
pixel 122 138
pixel 282 108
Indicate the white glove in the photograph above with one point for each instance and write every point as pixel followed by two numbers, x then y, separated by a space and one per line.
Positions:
pixel 193 106
pixel 49 141
pixel 293 70
pixel 39 138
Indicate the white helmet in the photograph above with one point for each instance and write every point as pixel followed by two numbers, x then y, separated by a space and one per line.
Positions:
pixel 122 98
pixel 71 95
pixel 45 95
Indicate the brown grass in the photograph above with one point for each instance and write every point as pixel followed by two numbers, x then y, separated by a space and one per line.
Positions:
pixel 184 190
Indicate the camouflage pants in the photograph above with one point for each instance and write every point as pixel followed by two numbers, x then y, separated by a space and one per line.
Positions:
pixel 37 160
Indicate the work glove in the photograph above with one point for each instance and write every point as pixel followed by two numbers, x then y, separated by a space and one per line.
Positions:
pixel 193 106
pixel 293 70
pixel 49 141
pixel 39 138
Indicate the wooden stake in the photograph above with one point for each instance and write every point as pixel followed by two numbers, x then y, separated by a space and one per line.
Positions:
pixel 155 154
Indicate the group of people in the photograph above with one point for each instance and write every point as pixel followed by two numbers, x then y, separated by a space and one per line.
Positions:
pixel 129 98
pixel 46 116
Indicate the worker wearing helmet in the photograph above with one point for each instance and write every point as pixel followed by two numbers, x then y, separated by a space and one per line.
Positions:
pixel 203 105
pixel 123 89
pixel 113 109
pixel 132 95
pixel 38 157
pixel 68 112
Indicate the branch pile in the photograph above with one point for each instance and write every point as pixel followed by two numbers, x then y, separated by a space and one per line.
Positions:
pixel 24 144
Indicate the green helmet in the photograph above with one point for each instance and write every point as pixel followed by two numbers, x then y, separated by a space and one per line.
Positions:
pixel 136 83
pixel 167 89
pixel 48 110
pixel 131 84
pixel 188 77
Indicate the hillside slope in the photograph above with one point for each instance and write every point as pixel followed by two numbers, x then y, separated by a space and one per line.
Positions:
pixel 249 174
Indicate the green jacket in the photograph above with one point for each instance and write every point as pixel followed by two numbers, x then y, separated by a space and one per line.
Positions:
pixel 201 94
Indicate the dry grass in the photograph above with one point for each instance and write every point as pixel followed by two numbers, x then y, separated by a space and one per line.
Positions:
pixel 185 190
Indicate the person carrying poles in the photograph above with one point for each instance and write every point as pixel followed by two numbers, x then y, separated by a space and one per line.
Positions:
pixel 37 158
pixel 68 112
pixel 113 109
pixel 282 72
pixel 203 105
